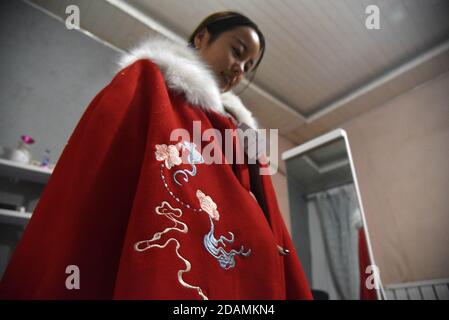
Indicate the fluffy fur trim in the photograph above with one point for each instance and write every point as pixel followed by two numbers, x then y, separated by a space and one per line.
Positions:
pixel 184 71
pixel 236 107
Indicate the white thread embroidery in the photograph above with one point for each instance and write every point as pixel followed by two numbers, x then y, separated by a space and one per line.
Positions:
pixel 164 181
pixel 172 214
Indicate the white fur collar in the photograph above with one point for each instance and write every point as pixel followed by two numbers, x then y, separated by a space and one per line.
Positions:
pixel 185 71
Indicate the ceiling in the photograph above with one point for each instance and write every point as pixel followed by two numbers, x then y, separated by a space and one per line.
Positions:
pixel 322 65
pixel 319 50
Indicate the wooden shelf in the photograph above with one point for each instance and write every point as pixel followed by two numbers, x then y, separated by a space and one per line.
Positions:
pixel 24 172
pixel 14 217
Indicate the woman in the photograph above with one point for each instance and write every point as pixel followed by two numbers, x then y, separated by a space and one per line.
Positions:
pixel 136 209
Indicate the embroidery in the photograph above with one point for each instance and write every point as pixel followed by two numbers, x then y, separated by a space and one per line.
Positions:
pixel 226 259
pixel 188 206
pixel 169 154
pixel 172 214
pixel 208 205
pixel 193 158
pixel 216 247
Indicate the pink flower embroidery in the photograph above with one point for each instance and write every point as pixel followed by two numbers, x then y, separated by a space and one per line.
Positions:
pixel 208 205
pixel 169 154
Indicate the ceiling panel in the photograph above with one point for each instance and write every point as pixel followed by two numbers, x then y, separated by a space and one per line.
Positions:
pixel 319 50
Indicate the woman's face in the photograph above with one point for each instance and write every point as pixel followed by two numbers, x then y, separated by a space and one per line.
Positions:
pixel 231 55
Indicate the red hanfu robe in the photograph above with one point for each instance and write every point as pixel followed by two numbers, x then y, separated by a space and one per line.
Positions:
pixel 139 222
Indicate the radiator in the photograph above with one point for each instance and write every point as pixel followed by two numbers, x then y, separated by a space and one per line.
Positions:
pixel 437 289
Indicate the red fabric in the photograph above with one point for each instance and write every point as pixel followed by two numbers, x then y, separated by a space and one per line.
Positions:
pixel 101 200
pixel 364 261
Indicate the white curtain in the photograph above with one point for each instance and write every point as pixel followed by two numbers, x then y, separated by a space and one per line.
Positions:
pixel 340 218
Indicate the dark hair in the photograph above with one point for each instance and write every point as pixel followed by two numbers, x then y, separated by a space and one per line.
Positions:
pixel 220 22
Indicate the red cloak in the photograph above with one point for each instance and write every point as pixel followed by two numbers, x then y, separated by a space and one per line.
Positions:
pixel 138 224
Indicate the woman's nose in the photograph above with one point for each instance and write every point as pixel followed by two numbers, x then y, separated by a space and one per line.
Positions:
pixel 239 69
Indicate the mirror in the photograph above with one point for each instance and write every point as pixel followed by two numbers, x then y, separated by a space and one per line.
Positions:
pixel 328 223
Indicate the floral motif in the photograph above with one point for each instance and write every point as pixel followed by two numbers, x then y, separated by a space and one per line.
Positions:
pixel 208 205
pixel 169 154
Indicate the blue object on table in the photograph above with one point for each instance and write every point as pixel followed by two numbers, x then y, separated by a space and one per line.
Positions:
pixel 46 160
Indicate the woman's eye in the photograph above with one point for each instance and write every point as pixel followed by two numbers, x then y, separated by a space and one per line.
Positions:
pixel 236 51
